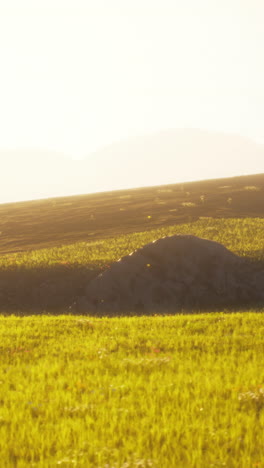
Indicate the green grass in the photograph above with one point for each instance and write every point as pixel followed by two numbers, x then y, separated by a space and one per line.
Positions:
pixel 174 391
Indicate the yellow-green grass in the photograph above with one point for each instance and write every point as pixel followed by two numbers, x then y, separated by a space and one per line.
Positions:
pixel 174 391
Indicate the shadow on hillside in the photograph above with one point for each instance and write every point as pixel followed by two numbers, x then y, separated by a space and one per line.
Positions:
pixel 55 289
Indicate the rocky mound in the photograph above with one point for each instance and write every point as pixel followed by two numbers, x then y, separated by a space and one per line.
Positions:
pixel 172 274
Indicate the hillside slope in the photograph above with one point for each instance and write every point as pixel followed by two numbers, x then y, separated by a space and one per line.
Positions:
pixel 53 222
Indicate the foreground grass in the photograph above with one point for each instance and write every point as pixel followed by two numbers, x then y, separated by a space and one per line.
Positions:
pixel 164 392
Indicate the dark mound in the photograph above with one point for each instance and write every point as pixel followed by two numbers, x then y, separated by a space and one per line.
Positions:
pixel 173 274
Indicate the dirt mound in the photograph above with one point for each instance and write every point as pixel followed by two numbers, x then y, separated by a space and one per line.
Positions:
pixel 175 273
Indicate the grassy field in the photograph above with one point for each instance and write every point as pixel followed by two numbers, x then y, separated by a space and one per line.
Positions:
pixel 174 391
pixel 183 391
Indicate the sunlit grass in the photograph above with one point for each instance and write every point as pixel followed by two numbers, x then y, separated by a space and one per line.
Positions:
pixel 182 391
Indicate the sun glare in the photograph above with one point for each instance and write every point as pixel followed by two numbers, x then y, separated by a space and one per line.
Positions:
pixel 80 75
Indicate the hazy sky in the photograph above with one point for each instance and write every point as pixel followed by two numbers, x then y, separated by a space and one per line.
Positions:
pixel 77 75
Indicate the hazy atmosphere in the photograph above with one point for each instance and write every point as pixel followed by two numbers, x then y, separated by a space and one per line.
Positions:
pixel 143 92
pixel 131 233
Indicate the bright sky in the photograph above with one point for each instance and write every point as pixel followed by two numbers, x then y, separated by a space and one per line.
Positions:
pixel 79 74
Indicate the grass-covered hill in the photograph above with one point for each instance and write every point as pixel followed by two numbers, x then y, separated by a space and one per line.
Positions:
pixel 53 222
pixel 52 248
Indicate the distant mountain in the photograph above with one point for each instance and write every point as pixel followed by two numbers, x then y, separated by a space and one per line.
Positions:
pixel 174 156
pixel 33 174
pixel 162 158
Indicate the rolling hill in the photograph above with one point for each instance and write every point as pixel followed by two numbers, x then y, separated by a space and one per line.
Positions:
pixel 52 222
